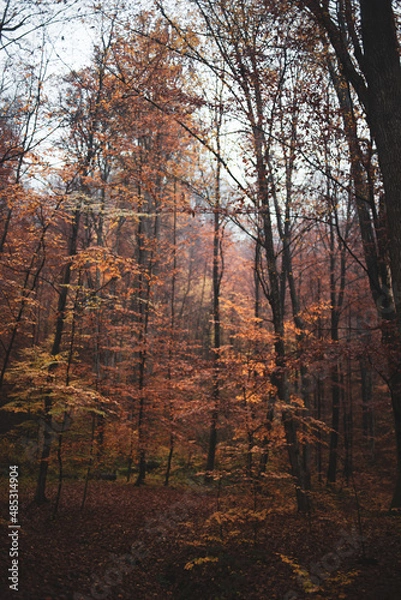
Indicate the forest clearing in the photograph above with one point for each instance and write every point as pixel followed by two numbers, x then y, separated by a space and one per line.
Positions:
pixel 200 299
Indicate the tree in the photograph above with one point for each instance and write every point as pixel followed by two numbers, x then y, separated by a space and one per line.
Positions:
pixel 20 205
pixel 240 38
pixel 364 40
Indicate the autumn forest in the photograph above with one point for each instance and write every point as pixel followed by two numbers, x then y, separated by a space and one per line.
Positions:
pixel 200 299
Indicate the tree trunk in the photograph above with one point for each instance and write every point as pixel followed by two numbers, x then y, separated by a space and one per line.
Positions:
pixel 395 392
pixel 382 100
pixel 217 275
pixel 368 419
pixel 335 424
pixel 40 495
pixel 383 75
pixel 382 70
pixel 318 408
pixel 169 460
pixel 348 416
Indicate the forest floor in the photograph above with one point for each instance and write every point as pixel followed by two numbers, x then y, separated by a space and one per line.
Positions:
pixel 198 543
